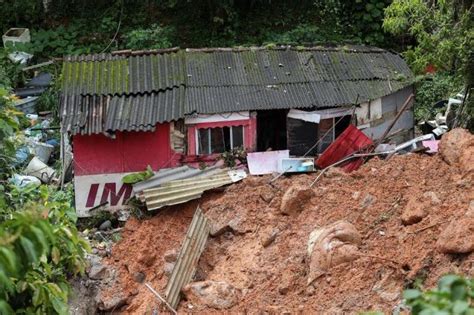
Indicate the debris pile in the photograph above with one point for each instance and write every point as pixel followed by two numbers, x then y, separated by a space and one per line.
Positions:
pixel 351 243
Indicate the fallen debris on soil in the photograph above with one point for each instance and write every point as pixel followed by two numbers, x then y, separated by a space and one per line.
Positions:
pixel 263 253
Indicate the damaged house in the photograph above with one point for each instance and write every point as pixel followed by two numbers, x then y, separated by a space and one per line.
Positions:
pixel 127 110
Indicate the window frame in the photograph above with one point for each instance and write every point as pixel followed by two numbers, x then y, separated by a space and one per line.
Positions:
pixel 209 149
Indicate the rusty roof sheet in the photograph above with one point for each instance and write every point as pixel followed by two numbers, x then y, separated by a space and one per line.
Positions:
pixel 93 114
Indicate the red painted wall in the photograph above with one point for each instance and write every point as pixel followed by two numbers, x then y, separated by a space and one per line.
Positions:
pixel 128 152
pixel 250 132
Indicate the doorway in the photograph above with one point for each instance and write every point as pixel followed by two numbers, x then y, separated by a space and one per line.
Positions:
pixel 271 130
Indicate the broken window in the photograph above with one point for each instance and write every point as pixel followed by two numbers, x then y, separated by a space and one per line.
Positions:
pixel 218 140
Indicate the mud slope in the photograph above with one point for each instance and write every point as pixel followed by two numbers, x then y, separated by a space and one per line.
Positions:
pixel 426 192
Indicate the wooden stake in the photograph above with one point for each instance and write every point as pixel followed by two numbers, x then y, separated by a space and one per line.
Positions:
pixel 149 287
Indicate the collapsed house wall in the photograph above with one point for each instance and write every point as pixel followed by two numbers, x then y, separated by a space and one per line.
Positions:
pixel 381 113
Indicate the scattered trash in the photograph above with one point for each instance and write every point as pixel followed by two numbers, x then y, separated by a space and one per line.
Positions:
pixel 20 57
pixel 16 35
pixel 24 180
pixel 432 145
pixel 414 144
pixel 27 105
pixel 40 170
pixel 296 165
pixel 43 151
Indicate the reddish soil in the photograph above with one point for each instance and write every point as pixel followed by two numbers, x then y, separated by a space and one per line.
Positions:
pixel 274 278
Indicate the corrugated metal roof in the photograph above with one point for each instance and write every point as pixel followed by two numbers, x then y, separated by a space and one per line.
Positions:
pixel 182 190
pixel 108 92
pixel 92 114
pixel 267 67
pixel 108 74
pixel 211 100
pixel 188 258
pixel 166 175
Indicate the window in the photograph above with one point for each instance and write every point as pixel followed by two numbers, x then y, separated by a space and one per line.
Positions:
pixel 218 140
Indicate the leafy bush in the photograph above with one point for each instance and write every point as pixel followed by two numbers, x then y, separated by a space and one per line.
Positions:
pixel 9 124
pixel 431 89
pixel 154 37
pixel 39 249
pixel 236 154
pixel 454 295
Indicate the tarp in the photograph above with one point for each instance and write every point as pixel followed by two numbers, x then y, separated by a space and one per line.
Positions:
pixel 350 141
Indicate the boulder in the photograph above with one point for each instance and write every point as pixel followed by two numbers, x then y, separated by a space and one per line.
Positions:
pixel 295 199
pixel 215 294
pixel 454 143
pixel 332 245
pixel 458 236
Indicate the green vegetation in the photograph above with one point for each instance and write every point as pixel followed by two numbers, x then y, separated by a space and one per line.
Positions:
pixel 40 248
pixel 454 295
pixel 39 243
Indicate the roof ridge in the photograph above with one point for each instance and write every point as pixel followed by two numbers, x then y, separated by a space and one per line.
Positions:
pixel 131 53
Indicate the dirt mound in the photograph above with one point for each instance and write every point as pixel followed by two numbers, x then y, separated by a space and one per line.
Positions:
pixel 264 253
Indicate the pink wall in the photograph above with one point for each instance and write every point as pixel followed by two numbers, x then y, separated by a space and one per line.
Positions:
pixel 250 132
pixel 128 152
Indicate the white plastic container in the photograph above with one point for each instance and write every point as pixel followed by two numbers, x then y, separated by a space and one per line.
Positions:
pixel 40 170
pixel 43 151
pixel 16 35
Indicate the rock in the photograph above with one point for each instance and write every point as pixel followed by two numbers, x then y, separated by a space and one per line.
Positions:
pixel 147 258
pixel 330 246
pixel 295 199
pixel 267 196
pixel 168 268
pixel 171 255
pixel 356 195
pixel 138 277
pixel 113 303
pixel 218 229
pixel 431 195
pixel 414 212
pixel 82 298
pixel 268 236
pixel 454 143
pixel 387 288
pixel 234 226
pixel 367 201
pixel 105 225
pixel 215 294
pixel 98 272
pixel 458 236
pixel 418 207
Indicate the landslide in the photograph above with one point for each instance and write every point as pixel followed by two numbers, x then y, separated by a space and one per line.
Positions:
pixel 265 254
